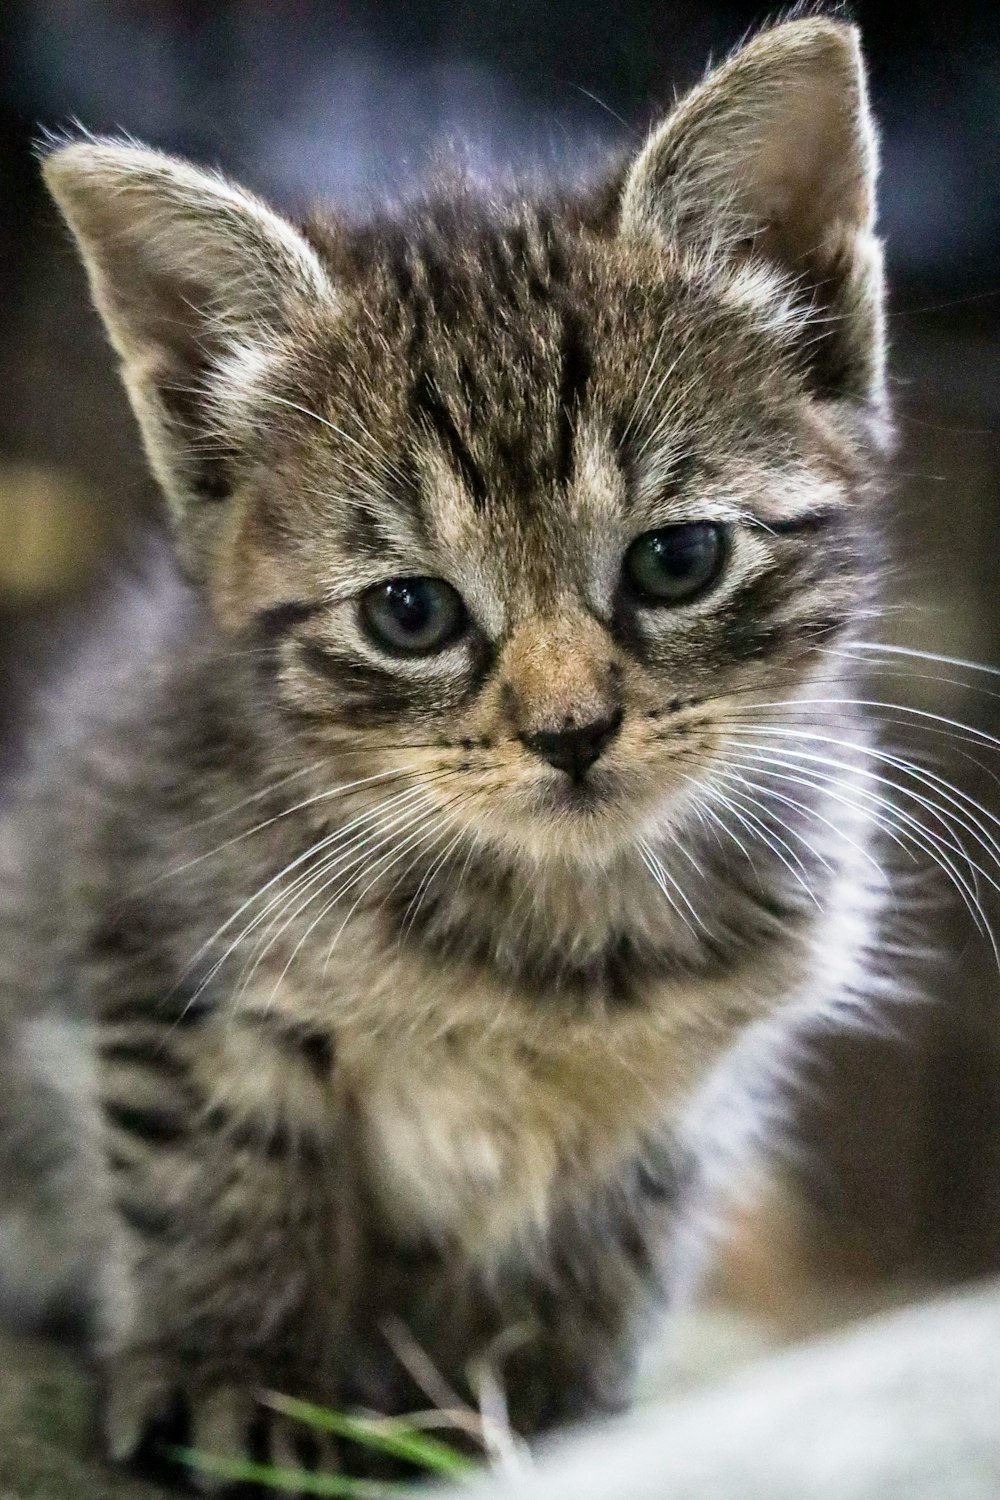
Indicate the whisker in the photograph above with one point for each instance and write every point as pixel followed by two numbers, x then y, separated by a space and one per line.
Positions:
pixel 375 455
pixel 749 821
pixel 286 812
pixel 416 900
pixel 419 840
pixel 720 825
pixel 965 805
pixel 902 708
pixel 816 815
pixel 663 878
pixel 748 790
pixel 372 823
pixel 412 820
pixel 911 652
pixel 244 802
pixel 274 880
pixel 940 847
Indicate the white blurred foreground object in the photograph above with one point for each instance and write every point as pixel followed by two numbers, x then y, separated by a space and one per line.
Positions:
pixel 903 1407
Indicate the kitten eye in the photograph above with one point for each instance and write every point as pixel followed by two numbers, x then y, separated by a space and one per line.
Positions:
pixel 677 563
pixel 413 615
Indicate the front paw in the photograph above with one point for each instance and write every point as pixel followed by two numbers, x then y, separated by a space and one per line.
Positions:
pixel 155 1407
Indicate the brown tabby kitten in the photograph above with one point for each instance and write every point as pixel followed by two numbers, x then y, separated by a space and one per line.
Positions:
pixel 411 886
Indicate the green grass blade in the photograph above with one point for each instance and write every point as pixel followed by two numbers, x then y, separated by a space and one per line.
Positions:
pixel 300 1481
pixel 383 1434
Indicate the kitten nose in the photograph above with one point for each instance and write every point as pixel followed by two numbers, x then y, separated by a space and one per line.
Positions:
pixel 574 749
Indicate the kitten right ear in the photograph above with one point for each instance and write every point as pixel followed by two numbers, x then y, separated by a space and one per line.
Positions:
pixel 773 155
pixel 195 280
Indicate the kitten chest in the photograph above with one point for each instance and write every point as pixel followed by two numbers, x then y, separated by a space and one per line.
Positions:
pixel 475 1140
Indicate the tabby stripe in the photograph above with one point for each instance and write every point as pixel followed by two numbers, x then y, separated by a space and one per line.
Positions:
pixel 657 1184
pixel 306 717
pixel 316 1049
pixel 145 1051
pixel 576 366
pixel 817 520
pixel 370 695
pixel 272 623
pixel 375 694
pixel 425 402
pixel 171 1009
pixel 263 1138
pixel 144 1121
pixel 145 1220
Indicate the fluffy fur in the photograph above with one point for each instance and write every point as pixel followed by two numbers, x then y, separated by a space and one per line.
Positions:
pixel 391 1019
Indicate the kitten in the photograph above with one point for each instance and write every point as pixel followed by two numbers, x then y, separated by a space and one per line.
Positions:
pixel 413 884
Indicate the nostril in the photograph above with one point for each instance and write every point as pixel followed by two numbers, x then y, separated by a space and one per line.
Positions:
pixel 574 750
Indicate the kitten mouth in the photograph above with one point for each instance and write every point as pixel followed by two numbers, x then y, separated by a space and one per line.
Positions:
pixel 581 794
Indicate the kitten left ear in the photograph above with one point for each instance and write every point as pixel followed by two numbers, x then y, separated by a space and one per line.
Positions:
pixel 774 156
pixel 196 280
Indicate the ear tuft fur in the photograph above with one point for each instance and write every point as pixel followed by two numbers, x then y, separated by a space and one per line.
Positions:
pixel 773 156
pixel 195 278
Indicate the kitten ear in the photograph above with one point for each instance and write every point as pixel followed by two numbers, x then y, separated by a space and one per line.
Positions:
pixel 774 156
pixel 195 279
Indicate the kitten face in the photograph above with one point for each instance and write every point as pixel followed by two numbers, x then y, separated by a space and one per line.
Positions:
pixel 523 500
pixel 518 430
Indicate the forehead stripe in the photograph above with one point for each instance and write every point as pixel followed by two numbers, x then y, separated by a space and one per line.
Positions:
pixel 426 404
pixel 576 364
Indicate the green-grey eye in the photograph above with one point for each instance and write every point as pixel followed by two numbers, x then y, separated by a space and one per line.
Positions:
pixel 413 616
pixel 676 563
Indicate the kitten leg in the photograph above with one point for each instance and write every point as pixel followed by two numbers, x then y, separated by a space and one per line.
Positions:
pixel 228 1264
pixel 554 1332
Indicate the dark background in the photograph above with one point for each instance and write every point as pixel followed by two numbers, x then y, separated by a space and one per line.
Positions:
pixel 350 100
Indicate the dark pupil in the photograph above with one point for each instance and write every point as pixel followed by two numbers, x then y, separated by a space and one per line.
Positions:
pixel 683 552
pixel 677 562
pixel 411 604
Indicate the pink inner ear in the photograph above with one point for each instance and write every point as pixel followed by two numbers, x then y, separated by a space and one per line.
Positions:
pixel 809 176
pixel 777 140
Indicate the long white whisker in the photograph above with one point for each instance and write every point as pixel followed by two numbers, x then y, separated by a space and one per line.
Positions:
pixel 888 817
pixel 719 824
pixel 754 825
pixel 227 812
pixel 416 900
pixel 750 789
pixel 372 827
pixel 663 877
pixel 307 855
pixel 966 807
pixel 924 714
pixel 876 647
pixel 381 829
pixel 812 812
pixel 286 812
pixel 635 419
pixel 415 820
pixel 417 842
pixel 799 757
pixel 376 456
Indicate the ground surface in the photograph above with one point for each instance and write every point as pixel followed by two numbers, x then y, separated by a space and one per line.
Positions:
pixel 901 1406
pixel 46 1430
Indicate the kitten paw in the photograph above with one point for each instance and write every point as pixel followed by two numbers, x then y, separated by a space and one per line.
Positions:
pixel 153 1409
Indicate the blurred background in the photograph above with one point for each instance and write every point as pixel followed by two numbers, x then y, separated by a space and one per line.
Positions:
pixel 898 1134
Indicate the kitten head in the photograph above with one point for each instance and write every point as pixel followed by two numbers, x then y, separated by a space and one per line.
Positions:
pixel 523 494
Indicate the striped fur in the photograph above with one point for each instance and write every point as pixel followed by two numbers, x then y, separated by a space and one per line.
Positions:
pixel 390 1020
